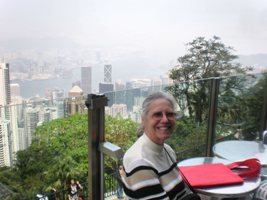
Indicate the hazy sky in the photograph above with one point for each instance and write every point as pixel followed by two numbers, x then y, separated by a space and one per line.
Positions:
pixel 155 29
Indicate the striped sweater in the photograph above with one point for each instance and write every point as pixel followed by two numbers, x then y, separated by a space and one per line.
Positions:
pixel 150 173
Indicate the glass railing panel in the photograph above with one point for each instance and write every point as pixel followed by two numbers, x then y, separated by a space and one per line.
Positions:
pixel 192 97
pixel 189 137
pixel 240 107
pixel 128 103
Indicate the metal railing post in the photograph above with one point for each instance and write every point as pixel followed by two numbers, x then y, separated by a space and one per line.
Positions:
pixel 96 113
pixel 213 106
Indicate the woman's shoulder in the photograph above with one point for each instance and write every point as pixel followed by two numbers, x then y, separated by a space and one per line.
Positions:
pixel 135 150
pixel 168 148
pixel 134 160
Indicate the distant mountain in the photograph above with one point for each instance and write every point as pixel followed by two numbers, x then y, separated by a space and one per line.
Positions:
pixel 38 43
pixel 255 59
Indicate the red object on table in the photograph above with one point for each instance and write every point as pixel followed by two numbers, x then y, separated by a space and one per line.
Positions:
pixel 209 175
pixel 218 174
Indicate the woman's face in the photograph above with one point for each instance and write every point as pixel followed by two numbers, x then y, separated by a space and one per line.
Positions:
pixel 72 182
pixel 159 121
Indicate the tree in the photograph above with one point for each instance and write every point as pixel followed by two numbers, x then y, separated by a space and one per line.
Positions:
pixel 60 152
pixel 117 130
pixel 253 104
pixel 188 139
pixel 205 59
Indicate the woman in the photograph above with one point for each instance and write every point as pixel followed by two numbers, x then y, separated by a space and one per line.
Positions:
pixel 150 170
pixel 74 189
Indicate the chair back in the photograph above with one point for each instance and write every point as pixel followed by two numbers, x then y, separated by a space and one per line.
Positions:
pixel 261 192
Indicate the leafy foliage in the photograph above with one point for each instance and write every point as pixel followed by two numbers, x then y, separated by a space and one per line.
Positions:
pixel 122 132
pixel 59 153
pixel 205 59
pixel 188 138
pixel 252 105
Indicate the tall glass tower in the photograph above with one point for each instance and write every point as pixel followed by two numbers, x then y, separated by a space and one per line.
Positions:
pixel 108 73
pixel 86 80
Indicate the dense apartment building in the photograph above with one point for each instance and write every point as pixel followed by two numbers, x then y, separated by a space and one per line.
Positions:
pixel 5 131
pixel 5 94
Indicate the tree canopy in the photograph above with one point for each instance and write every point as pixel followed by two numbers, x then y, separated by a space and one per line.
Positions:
pixel 204 59
pixel 59 152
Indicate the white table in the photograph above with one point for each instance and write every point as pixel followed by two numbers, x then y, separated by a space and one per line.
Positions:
pixel 240 191
pixel 235 150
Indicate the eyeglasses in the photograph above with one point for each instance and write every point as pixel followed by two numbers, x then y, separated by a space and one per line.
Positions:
pixel 159 115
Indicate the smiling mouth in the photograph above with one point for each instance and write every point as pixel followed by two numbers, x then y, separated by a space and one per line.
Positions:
pixel 164 128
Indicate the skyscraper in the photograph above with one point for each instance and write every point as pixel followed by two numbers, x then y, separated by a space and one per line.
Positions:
pixel 5 132
pixel 107 89
pixel 15 89
pixel 107 73
pixel 5 143
pixel 86 80
pixel 31 121
pixel 5 96
pixel 107 86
